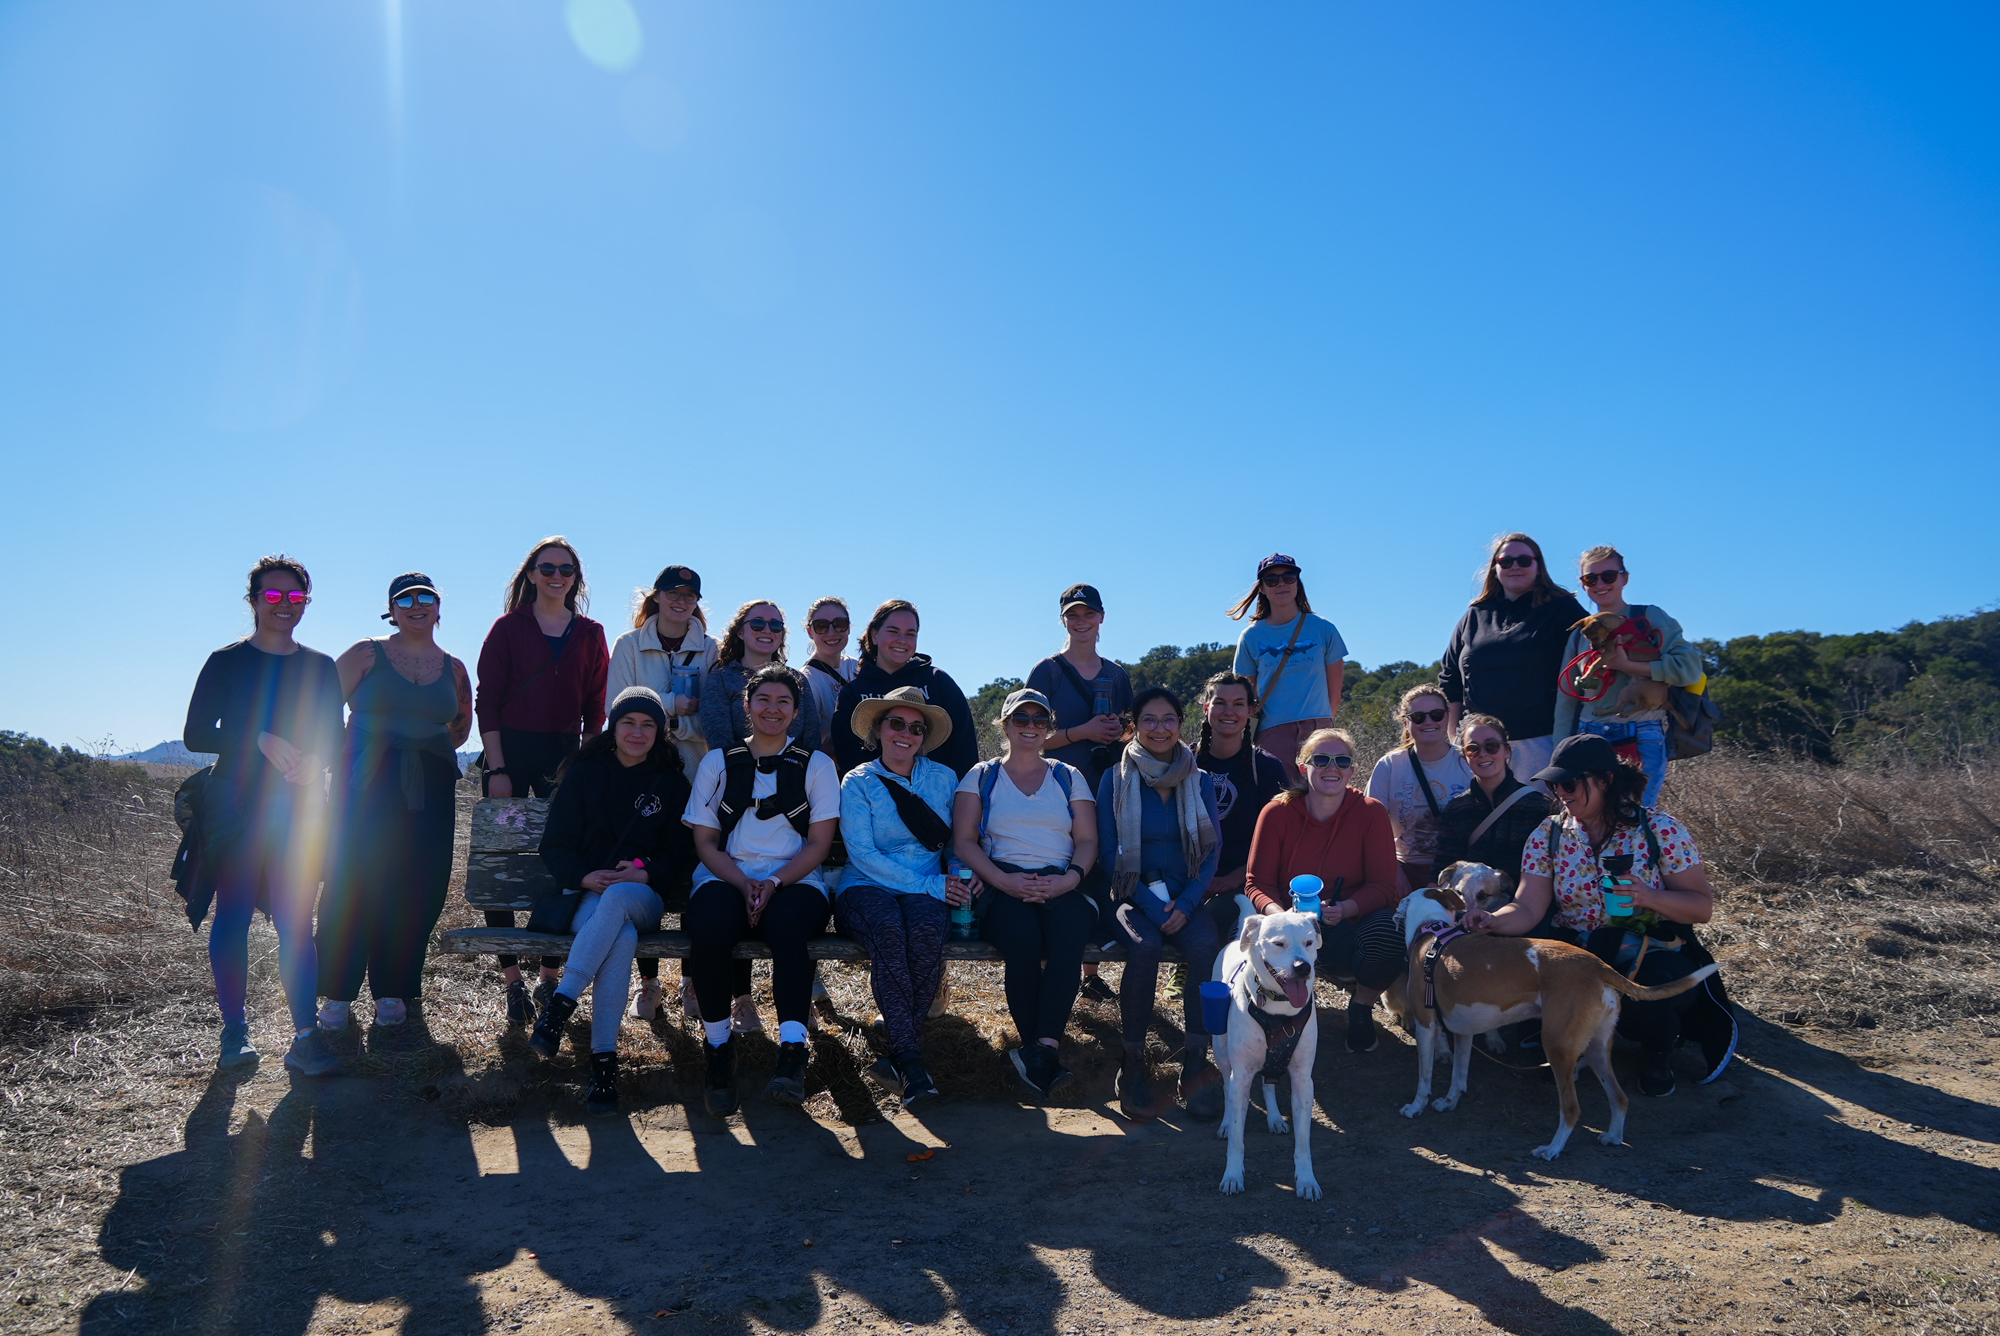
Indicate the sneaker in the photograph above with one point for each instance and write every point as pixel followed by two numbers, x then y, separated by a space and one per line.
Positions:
pixel 743 1017
pixel 1656 1074
pixel 690 1008
pixel 884 1076
pixel 942 1000
pixel 720 1096
pixel 1039 1070
pixel 1361 1036
pixel 520 1011
pixel 333 1015
pixel 235 1050
pixel 548 1036
pixel 1135 1087
pixel 917 1083
pixel 309 1056
pixel 646 1002
pixel 1201 1088
pixel 390 1011
pixel 788 1083
pixel 603 1096
pixel 1096 989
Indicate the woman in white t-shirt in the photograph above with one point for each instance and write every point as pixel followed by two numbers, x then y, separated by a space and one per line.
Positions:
pixel 1416 780
pixel 830 668
pixel 764 814
pixel 1027 827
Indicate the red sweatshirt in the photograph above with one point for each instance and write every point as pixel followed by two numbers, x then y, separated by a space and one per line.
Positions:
pixel 1358 844
pixel 568 698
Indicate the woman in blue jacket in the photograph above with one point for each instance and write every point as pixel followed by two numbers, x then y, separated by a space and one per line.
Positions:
pixel 1157 827
pixel 895 899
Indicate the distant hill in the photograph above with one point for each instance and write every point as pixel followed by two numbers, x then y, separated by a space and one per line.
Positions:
pixel 171 752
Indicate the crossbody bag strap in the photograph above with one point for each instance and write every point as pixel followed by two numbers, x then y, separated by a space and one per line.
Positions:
pixel 1494 815
pixel 1424 783
pixel 1264 692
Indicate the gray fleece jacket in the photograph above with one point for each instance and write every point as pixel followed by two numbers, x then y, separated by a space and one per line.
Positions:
pixel 723 721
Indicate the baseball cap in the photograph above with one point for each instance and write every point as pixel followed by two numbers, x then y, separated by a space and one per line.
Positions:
pixel 410 582
pixel 1084 594
pixel 673 577
pixel 1577 755
pixel 1275 560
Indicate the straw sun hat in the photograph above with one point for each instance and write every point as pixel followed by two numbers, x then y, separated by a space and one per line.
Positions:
pixel 910 698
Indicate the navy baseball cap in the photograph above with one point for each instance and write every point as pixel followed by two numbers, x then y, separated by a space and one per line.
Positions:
pixel 1274 562
pixel 673 577
pixel 408 583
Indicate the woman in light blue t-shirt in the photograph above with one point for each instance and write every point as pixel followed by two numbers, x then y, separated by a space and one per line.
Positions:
pixel 1300 688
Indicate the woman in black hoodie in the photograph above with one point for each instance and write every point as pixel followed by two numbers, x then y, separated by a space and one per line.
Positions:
pixel 614 842
pixel 889 659
pixel 1507 651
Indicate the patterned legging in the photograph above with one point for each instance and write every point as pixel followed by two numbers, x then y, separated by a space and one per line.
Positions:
pixel 904 936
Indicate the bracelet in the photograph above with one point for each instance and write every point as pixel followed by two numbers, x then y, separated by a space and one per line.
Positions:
pixel 1080 873
pixel 493 770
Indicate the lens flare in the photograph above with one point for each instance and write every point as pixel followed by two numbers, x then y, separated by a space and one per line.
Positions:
pixel 607 32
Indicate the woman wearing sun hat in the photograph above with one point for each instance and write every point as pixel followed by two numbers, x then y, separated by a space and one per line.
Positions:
pixel 410 709
pixel 895 817
pixel 1296 658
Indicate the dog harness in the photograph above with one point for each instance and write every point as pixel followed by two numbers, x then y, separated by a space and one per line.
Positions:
pixel 1281 1033
pixel 1440 939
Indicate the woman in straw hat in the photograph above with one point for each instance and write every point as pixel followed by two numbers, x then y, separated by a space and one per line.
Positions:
pixel 895 817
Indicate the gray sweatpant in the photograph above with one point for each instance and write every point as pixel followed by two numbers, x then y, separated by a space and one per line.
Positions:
pixel 607 928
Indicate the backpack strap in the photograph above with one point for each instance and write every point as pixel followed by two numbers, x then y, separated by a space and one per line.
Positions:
pixel 739 770
pixel 989 775
pixel 926 827
pixel 790 801
pixel 1653 846
pixel 1264 691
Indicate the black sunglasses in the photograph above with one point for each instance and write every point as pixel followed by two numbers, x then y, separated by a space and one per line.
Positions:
pixel 1591 579
pixel 1509 563
pixel 916 728
pixel 1490 747
pixel 1435 716
pixel 1320 761
pixel 1570 786
pixel 1281 578
pixel 1028 718
pixel 819 626
pixel 565 570
pixel 765 624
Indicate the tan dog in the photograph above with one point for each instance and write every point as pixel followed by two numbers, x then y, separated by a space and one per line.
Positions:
pixel 1638 693
pixel 1482 983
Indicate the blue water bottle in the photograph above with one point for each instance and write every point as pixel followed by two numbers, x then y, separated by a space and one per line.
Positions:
pixel 964 928
pixel 1305 893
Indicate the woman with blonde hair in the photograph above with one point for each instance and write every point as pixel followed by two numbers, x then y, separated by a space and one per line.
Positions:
pixel 1507 650
pixel 1296 659
pixel 1417 779
pixel 1344 838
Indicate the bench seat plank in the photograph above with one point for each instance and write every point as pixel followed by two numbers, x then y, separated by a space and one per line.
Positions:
pixel 674 946
pixel 508 825
pixel 505 880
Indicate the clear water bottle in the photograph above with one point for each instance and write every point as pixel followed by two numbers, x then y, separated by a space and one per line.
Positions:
pixel 964 928
pixel 1100 702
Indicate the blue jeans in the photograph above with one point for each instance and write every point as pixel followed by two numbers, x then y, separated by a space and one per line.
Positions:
pixel 1651 737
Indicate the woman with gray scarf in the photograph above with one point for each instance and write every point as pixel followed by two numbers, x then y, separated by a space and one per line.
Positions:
pixel 1156 825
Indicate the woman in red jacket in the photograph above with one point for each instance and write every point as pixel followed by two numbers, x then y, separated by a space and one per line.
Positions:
pixel 541 694
pixel 1342 836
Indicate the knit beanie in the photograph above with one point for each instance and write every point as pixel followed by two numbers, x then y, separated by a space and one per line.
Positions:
pixel 638 700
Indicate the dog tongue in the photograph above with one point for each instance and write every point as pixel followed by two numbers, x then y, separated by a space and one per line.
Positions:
pixel 1298 992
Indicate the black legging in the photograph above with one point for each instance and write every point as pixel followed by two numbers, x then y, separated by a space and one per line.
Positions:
pixel 1040 996
pixel 1368 950
pixel 532 759
pixel 1658 1026
pixel 716 919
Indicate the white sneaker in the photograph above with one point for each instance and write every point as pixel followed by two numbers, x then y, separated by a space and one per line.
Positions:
pixel 743 1017
pixel 690 1008
pixel 390 1011
pixel 333 1015
pixel 647 1002
pixel 943 998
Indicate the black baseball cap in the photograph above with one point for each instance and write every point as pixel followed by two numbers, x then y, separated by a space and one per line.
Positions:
pixel 410 582
pixel 1579 755
pixel 673 577
pixel 1084 594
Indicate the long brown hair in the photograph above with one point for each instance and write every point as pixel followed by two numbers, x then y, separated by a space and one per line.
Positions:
pixel 882 614
pixel 1538 593
pixel 1257 598
pixel 732 636
pixel 521 592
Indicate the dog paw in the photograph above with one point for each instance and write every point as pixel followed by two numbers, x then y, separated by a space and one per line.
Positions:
pixel 1494 1043
pixel 1445 1103
pixel 1545 1152
pixel 1232 1183
pixel 1412 1110
pixel 1278 1126
pixel 1611 1139
pixel 1308 1189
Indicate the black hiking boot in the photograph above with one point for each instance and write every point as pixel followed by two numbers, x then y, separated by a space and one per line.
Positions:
pixel 1135 1087
pixel 1201 1087
pixel 1361 1036
pixel 720 1097
pixel 788 1083
pixel 548 1036
pixel 1656 1073
pixel 603 1096
pixel 520 1011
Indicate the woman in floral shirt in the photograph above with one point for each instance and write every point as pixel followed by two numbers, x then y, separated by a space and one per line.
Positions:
pixel 1601 830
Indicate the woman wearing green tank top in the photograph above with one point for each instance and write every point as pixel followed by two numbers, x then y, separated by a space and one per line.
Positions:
pixel 410 707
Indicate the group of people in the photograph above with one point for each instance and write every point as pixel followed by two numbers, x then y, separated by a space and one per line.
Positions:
pixel 703 775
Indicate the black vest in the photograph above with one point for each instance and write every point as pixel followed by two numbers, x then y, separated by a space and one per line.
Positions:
pixel 740 778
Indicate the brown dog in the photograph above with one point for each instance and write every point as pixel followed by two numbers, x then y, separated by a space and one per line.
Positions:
pixel 1638 693
pixel 1482 983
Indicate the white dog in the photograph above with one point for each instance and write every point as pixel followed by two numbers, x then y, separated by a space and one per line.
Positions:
pixel 1269 970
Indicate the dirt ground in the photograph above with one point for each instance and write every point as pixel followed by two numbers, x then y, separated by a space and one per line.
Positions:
pixel 1831 1183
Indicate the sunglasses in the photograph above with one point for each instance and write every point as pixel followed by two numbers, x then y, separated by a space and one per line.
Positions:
pixel 1570 787
pixel 1029 718
pixel 1320 761
pixel 1490 747
pixel 1276 578
pixel 765 624
pixel 1435 716
pixel 415 600
pixel 276 596
pixel 565 570
pixel 1592 579
pixel 819 626
pixel 916 728
pixel 1509 563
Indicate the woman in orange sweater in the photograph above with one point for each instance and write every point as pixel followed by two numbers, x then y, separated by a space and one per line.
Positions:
pixel 1342 836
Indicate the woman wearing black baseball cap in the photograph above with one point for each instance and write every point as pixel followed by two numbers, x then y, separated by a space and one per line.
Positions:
pixel 410 707
pixel 1297 659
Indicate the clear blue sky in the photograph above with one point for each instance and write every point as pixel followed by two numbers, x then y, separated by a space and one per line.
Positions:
pixel 964 302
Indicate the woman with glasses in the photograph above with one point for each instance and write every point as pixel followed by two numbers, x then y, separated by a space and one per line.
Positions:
pixel 613 842
pixel 1295 658
pixel 1470 831
pixel 753 640
pixel 1158 840
pixel 1629 884
pixel 764 812
pixel 1507 650
pixel 541 691
pixel 899 889
pixel 831 667
pixel 1026 825
pixel 889 660
pixel 1415 781
pixel 269 709
pixel 1642 735
pixel 1342 836
pixel 398 783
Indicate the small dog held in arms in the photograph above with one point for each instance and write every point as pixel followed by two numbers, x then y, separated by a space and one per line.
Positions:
pixel 1604 630
pixel 1273 1027
pixel 1470 984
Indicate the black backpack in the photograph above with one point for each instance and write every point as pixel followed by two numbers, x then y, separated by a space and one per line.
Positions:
pixel 740 779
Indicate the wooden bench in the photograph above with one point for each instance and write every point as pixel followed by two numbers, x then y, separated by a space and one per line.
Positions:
pixel 504 871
